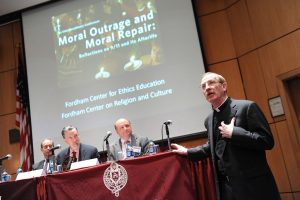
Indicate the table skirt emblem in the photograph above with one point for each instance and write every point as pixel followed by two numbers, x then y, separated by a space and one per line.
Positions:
pixel 115 178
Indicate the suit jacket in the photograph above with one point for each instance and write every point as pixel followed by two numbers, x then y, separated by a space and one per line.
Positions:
pixel 39 165
pixel 85 152
pixel 244 159
pixel 135 141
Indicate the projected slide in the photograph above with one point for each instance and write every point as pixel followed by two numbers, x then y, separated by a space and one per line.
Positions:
pixel 92 62
pixel 105 40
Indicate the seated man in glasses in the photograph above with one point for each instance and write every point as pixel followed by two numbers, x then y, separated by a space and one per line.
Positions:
pixel 46 145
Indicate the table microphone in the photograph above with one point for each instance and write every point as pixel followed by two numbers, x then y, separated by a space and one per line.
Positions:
pixel 7 157
pixel 169 122
pixel 56 147
pixel 108 134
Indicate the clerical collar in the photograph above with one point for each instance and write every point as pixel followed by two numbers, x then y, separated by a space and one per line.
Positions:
pixel 220 108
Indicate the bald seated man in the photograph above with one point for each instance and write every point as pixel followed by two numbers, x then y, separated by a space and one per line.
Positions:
pixel 124 130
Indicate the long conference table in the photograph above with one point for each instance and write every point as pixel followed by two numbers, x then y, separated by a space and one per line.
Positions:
pixel 163 176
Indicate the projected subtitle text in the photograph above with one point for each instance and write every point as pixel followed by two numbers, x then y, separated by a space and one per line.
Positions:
pixel 109 99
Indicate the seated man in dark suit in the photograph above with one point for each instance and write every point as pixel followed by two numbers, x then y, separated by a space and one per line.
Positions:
pixel 124 130
pixel 46 145
pixel 76 150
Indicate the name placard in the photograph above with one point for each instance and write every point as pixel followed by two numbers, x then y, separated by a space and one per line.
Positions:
pixel 30 174
pixel 84 163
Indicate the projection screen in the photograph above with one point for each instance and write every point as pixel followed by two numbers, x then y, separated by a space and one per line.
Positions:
pixel 94 61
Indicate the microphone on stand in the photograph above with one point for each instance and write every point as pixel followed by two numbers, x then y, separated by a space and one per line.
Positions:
pixel 167 123
pixel 108 134
pixel 54 148
pixel 7 157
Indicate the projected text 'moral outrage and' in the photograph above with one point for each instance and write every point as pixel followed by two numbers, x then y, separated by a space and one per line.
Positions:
pixel 106 34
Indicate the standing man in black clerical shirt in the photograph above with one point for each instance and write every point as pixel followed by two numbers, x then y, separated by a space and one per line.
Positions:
pixel 76 150
pixel 238 136
pixel 46 145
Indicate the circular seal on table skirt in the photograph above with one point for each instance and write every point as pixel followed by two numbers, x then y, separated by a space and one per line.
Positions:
pixel 115 178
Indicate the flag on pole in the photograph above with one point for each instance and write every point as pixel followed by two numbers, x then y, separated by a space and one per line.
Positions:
pixel 22 117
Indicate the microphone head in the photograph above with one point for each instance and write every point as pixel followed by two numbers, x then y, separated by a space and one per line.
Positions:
pixel 9 156
pixel 108 132
pixel 58 146
pixel 169 122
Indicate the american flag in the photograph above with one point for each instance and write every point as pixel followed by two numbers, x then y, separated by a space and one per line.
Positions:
pixel 22 118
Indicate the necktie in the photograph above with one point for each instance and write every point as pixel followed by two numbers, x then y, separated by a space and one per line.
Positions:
pixel 45 167
pixel 124 147
pixel 74 159
pixel 126 144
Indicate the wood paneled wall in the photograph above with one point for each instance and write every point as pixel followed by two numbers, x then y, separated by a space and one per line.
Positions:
pixel 10 40
pixel 253 43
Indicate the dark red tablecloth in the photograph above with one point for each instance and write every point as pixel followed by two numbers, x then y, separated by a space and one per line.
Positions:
pixel 162 176
pixel 14 190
